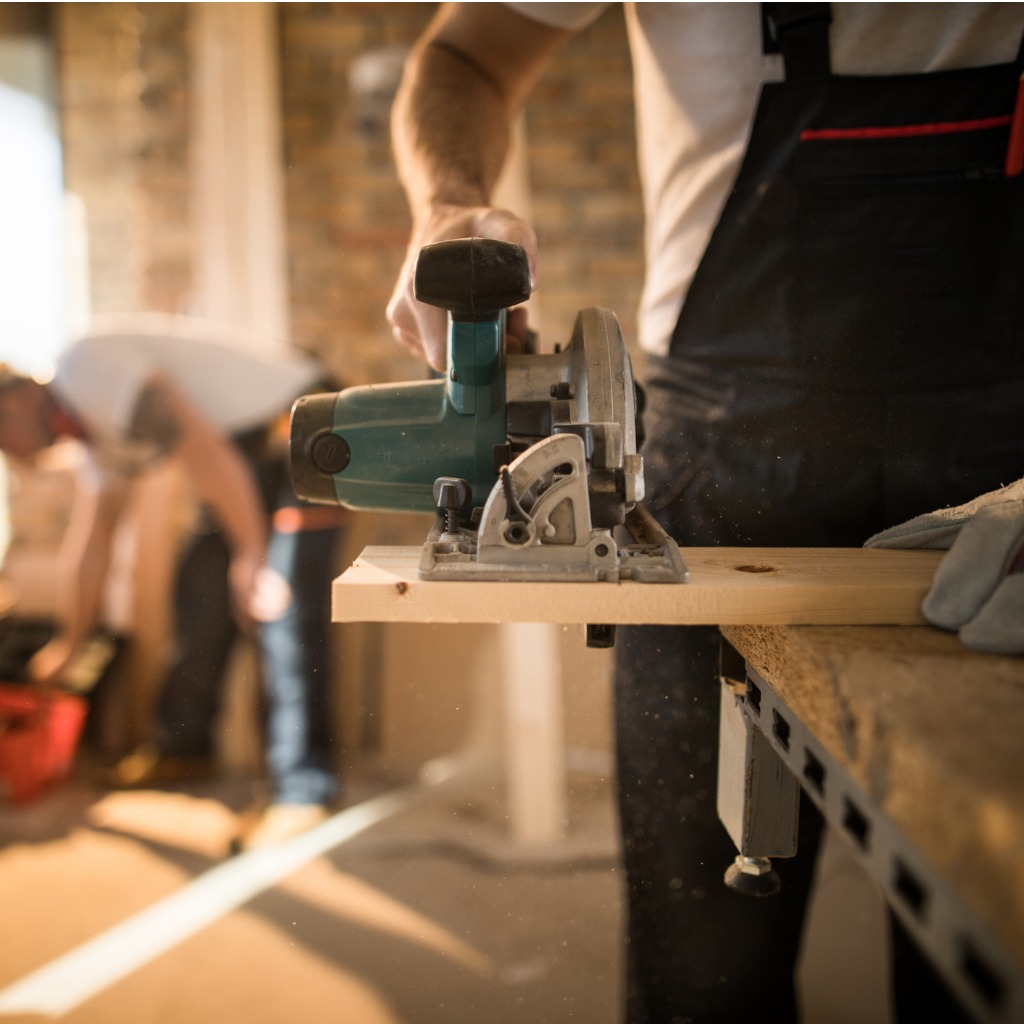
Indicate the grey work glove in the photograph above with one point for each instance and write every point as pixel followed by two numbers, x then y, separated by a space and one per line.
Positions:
pixel 978 588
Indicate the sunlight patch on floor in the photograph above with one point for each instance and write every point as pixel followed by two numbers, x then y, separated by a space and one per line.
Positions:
pixel 176 820
pixel 349 897
pixel 66 982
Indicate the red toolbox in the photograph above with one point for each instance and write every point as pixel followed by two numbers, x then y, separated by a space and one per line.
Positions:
pixel 39 732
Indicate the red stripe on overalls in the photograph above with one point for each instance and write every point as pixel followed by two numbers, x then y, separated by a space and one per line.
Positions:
pixel 903 131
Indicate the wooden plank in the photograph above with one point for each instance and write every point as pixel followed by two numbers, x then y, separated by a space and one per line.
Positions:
pixel 727 586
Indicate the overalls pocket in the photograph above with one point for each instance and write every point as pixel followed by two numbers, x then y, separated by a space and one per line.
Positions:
pixel 871 240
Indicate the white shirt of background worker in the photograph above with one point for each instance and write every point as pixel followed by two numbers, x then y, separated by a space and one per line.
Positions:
pixel 142 387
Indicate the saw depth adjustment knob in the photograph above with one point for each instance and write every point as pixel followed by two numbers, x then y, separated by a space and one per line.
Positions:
pixel 473 278
pixel 452 494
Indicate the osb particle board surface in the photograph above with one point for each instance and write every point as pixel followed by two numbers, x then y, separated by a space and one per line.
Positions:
pixel 933 733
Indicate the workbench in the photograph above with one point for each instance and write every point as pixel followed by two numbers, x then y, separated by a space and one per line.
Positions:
pixel 909 743
pixel 911 746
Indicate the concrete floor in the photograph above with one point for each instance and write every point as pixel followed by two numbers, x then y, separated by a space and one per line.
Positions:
pixel 426 915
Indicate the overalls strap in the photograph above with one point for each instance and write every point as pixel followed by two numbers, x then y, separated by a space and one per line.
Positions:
pixel 800 33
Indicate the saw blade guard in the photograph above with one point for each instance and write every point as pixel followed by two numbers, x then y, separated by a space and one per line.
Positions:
pixel 588 390
pixel 539 511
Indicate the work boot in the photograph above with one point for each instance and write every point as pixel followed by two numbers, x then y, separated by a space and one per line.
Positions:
pixel 147 768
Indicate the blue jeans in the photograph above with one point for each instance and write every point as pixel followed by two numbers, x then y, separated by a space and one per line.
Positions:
pixel 297 670
pixel 294 649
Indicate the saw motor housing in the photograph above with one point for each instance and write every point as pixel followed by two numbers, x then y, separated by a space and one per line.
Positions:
pixel 529 460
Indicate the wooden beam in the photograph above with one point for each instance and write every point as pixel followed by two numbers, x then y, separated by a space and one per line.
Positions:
pixel 728 586
pixel 237 171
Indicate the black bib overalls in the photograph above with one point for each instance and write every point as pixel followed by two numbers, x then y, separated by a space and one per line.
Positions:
pixel 850 354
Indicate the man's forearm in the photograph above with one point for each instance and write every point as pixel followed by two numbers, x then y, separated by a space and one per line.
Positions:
pixel 164 416
pixel 86 577
pixel 466 80
pixel 450 128
pixel 223 480
pixel 464 84
pixel 85 558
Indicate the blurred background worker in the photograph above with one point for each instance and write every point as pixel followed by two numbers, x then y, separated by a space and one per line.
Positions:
pixel 833 267
pixel 140 389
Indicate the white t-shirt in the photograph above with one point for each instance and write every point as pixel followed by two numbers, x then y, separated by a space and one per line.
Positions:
pixel 698 69
pixel 237 380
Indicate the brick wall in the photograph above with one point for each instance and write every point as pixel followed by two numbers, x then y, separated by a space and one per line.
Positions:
pixel 586 194
pixel 347 219
pixel 124 73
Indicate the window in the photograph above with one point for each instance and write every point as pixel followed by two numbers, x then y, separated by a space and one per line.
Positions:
pixel 33 267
